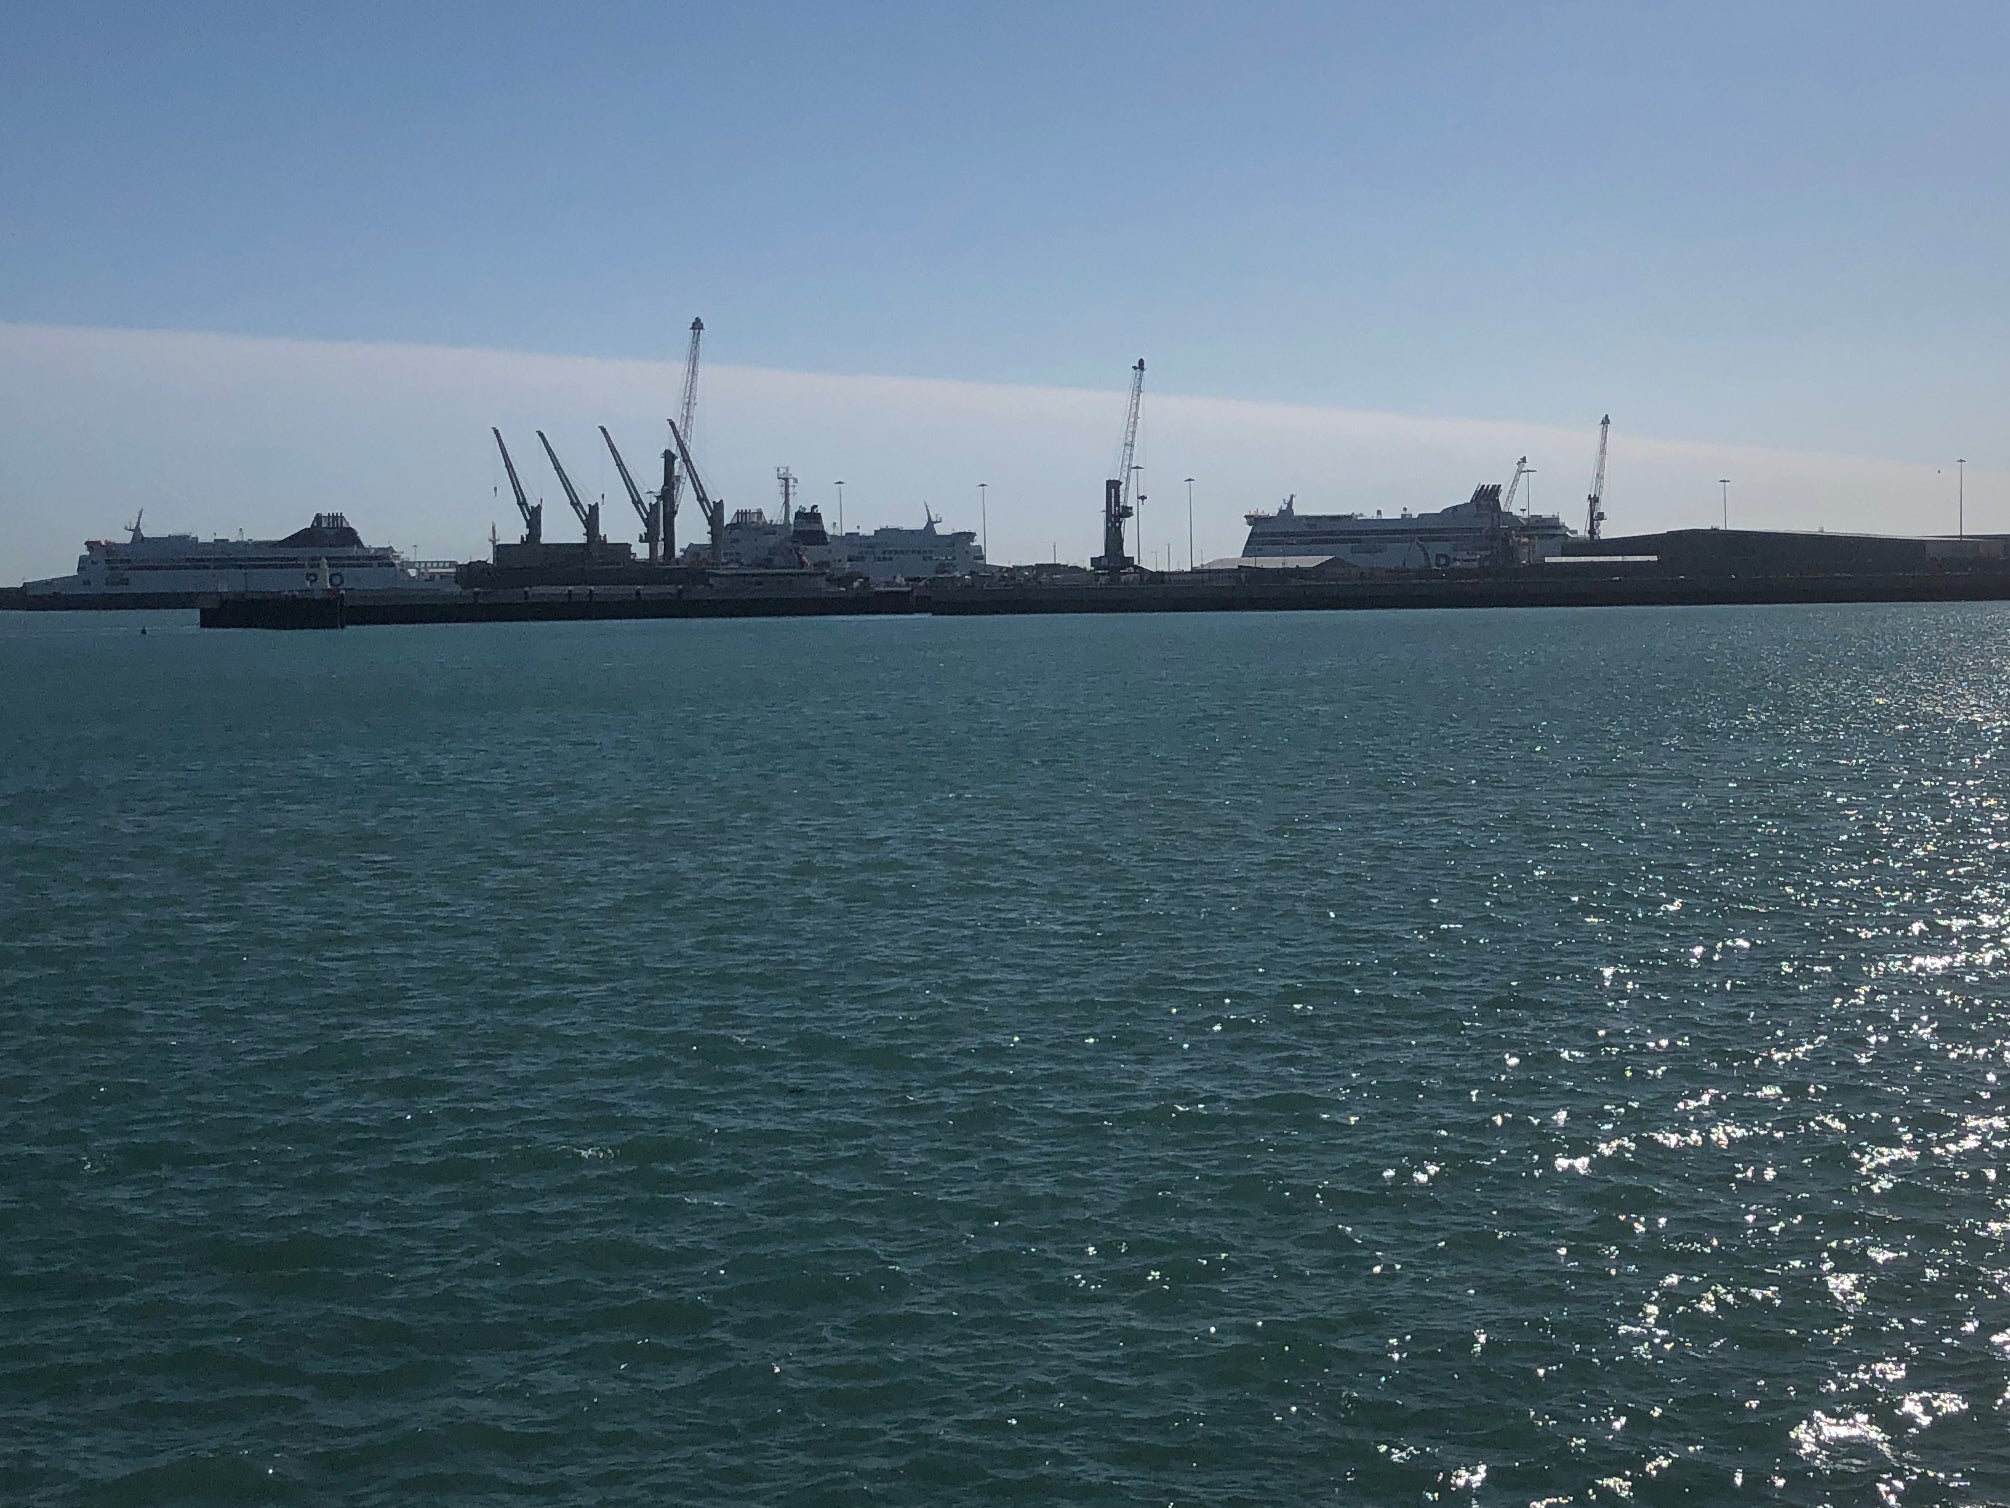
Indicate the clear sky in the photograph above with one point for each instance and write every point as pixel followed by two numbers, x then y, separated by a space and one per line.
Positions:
pixel 1763 224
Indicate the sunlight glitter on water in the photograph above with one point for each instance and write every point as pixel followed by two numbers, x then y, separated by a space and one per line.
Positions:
pixel 1601 1102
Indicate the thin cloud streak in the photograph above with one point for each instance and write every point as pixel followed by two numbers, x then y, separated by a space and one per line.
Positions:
pixel 221 433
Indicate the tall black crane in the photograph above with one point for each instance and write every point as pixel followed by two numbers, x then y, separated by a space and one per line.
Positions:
pixel 589 517
pixel 1594 512
pixel 713 508
pixel 651 520
pixel 666 505
pixel 1117 505
pixel 533 513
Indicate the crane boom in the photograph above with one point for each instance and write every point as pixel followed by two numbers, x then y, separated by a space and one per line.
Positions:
pixel 634 492
pixel 1131 429
pixel 1521 469
pixel 687 413
pixel 713 509
pixel 1117 504
pixel 650 512
pixel 1594 513
pixel 589 518
pixel 533 514
pixel 688 410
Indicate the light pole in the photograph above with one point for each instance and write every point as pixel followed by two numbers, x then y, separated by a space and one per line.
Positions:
pixel 1189 523
pixel 984 522
pixel 1139 507
pixel 1961 499
pixel 1724 482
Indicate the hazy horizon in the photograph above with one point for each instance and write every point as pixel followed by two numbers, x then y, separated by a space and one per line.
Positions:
pixel 217 434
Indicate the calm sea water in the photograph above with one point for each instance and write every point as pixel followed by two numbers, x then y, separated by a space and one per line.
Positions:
pixel 1245 1060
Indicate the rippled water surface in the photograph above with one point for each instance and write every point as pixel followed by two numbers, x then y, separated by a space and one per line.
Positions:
pixel 1246 1060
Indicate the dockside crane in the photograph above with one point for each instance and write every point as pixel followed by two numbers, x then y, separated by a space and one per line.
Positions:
pixel 533 513
pixel 687 414
pixel 652 534
pixel 687 411
pixel 713 508
pixel 589 516
pixel 1594 511
pixel 1118 506
pixel 1521 469
pixel 666 505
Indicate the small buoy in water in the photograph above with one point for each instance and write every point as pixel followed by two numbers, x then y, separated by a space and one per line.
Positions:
pixel 143 632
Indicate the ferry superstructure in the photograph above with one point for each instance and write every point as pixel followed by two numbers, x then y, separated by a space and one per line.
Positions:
pixel 327 553
pixel 752 541
pixel 895 554
pixel 1476 532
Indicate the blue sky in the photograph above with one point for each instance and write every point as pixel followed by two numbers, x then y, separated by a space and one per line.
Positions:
pixel 1760 224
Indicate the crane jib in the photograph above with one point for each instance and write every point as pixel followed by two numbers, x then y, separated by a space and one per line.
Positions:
pixel 634 492
pixel 533 513
pixel 571 493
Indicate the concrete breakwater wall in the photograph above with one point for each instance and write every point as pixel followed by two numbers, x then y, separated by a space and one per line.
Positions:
pixel 1217 592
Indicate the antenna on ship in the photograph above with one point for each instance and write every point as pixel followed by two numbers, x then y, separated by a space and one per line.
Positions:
pixel 1594 513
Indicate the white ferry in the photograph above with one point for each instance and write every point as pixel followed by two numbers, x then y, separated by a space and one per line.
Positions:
pixel 155 565
pixel 1476 532
pixel 893 554
pixel 751 541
